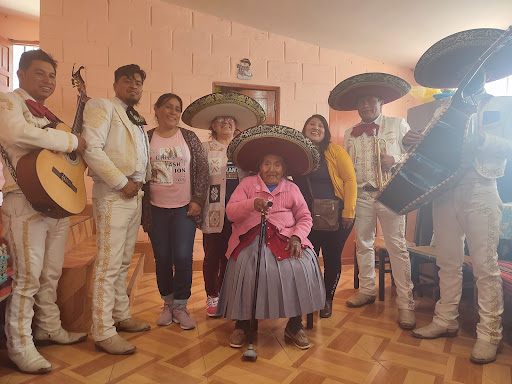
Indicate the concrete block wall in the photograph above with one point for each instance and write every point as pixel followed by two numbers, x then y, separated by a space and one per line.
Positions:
pixel 184 52
pixel 18 27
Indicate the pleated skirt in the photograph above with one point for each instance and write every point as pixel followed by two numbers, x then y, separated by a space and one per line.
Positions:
pixel 286 288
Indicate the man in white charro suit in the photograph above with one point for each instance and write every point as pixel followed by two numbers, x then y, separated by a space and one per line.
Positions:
pixel 118 160
pixel 367 93
pixel 37 242
pixel 471 209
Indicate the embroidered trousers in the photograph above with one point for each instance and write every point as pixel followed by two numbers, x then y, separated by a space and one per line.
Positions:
pixel 117 224
pixel 473 210
pixel 37 246
pixel 393 228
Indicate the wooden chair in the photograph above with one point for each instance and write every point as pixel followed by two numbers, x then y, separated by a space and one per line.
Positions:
pixel 423 253
pixel 381 262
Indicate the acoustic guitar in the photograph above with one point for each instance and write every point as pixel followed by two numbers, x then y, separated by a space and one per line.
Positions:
pixel 434 165
pixel 53 182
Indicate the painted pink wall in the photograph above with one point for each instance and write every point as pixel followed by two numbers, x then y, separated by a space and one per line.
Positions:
pixel 184 51
pixel 19 28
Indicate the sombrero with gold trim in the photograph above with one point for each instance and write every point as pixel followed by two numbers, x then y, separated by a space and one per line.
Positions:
pixel 446 62
pixel 388 87
pixel 249 147
pixel 247 111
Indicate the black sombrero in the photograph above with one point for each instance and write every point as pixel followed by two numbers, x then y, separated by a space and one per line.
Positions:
pixel 388 87
pixel 446 62
pixel 247 111
pixel 299 153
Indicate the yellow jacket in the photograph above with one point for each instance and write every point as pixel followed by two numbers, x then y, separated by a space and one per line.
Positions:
pixel 343 177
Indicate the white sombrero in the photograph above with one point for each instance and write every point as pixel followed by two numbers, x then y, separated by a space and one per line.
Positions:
pixel 247 111
pixel 388 87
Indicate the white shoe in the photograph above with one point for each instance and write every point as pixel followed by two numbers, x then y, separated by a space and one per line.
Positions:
pixel 30 361
pixel 406 318
pixel 115 345
pixel 61 337
pixel 484 352
pixel 434 331
pixel 360 299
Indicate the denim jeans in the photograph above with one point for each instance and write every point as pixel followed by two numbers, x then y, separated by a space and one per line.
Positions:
pixel 172 238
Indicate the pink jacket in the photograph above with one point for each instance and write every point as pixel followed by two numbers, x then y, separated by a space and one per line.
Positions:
pixel 289 214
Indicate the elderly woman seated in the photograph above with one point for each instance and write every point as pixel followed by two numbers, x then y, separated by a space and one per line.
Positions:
pixel 290 281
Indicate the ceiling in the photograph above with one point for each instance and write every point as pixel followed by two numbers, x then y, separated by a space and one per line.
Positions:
pixel 390 31
pixel 27 8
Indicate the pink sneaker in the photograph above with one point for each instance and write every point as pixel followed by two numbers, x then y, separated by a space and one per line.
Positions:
pixel 181 316
pixel 165 317
pixel 211 306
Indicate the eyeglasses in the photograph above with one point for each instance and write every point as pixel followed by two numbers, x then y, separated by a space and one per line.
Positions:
pixel 223 119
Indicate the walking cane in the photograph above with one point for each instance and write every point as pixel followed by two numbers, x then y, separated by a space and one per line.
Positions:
pixel 251 354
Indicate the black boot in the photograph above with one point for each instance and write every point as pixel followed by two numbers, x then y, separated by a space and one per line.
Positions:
pixel 327 311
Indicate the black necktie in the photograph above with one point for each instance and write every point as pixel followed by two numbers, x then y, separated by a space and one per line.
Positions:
pixel 134 116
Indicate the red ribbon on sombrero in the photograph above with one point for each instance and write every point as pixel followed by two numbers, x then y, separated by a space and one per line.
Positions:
pixel 368 128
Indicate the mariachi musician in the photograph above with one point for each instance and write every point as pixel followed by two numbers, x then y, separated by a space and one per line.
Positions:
pixel 37 242
pixel 472 207
pixel 375 146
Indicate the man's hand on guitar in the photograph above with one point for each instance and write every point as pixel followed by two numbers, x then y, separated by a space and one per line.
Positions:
pixel 82 145
pixel 412 138
pixel 131 189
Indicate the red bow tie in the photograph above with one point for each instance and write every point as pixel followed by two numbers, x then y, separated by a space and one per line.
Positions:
pixel 368 128
pixel 39 110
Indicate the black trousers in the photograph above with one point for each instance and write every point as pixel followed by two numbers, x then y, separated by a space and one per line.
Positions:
pixel 331 244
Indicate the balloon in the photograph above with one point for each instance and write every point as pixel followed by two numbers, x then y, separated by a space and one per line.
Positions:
pixel 425 95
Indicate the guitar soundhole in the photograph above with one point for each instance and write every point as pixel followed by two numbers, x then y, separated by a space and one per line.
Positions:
pixel 72 158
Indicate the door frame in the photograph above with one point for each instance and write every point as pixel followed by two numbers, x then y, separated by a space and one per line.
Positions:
pixel 254 87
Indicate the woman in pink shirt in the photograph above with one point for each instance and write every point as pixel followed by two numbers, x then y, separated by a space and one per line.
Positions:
pixel 290 279
pixel 172 206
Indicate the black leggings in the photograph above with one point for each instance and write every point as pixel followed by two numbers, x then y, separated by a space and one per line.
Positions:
pixel 331 243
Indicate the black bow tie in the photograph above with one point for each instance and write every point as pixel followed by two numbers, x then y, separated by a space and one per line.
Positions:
pixel 135 117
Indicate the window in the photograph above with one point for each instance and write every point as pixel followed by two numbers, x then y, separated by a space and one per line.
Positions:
pixel 18 50
pixel 502 87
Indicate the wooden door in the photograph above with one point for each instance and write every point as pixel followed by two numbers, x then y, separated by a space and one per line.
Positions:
pixel 6 71
pixel 268 97
pixel 341 121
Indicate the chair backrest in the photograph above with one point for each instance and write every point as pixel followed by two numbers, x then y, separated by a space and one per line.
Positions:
pixel 424 225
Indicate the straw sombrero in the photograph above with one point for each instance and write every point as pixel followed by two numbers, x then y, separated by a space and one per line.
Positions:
pixel 247 111
pixel 446 62
pixel 249 147
pixel 388 87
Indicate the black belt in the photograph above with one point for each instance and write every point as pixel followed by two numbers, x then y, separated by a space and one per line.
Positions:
pixel 369 188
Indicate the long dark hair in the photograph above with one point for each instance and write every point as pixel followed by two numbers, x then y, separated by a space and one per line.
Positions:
pixel 322 146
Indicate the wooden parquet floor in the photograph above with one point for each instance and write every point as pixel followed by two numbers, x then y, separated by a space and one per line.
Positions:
pixel 361 345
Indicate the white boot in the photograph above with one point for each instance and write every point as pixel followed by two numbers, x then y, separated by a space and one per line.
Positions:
pixel 30 361
pixel 406 319
pixel 434 331
pixel 484 352
pixel 61 337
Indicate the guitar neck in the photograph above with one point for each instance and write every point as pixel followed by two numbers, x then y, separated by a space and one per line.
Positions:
pixel 79 116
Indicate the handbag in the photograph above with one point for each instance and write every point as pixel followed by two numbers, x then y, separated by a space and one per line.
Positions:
pixel 325 212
